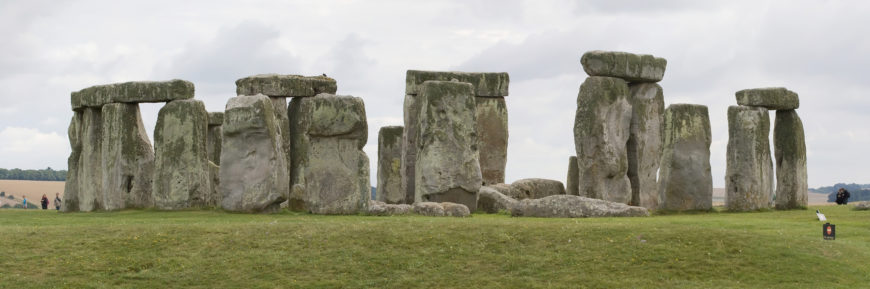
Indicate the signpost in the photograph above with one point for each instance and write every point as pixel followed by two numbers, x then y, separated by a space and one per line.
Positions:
pixel 829 232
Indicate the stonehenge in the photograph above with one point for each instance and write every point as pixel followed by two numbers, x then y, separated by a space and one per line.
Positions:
pixel 791 160
pixel 389 165
pixel 572 182
pixel 569 206
pixel 181 174
pixel 685 181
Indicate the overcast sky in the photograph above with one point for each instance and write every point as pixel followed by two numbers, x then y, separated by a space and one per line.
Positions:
pixel 819 49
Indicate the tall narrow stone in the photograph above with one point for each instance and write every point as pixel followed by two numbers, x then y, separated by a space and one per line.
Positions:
pixel 181 164
pixel 389 165
pixel 411 110
pixel 572 183
pixel 253 175
pixel 601 131
pixel 128 158
pixel 71 187
pixel 492 136
pixel 91 161
pixel 645 143
pixel 448 166
pixel 791 160
pixel 279 107
pixel 749 173
pixel 215 121
pixel 685 182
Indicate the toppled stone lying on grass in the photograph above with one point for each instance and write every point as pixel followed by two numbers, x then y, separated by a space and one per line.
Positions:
pixel 534 188
pixel 628 66
pixel 378 208
pixel 862 206
pixel 773 98
pixel 445 209
pixel 568 206
pixel 492 201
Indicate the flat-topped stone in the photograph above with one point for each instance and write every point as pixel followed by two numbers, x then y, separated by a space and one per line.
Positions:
pixel 486 84
pixel 285 85
pixel 133 91
pixel 215 118
pixel 628 66
pixel 772 98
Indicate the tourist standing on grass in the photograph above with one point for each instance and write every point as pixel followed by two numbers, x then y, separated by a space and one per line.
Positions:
pixel 44 202
pixel 843 196
pixel 24 198
pixel 57 201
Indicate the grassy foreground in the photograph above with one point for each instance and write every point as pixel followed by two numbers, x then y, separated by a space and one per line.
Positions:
pixel 211 249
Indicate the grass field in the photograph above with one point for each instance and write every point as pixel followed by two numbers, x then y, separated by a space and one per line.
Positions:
pixel 212 249
pixel 32 189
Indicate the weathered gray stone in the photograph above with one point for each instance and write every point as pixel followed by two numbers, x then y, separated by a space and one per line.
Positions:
pixel 749 173
pixel 214 176
pixel 504 189
pixel 253 175
pixel 492 201
pixel 389 165
pixel 572 183
pixel 134 91
pixel 447 167
pixel 628 66
pixel 329 170
pixel 377 208
pixel 445 209
pixel 216 118
pixel 791 160
pixel 601 131
pixel 685 182
pixel 128 158
pixel 645 143
pixel 411 111
pixel 181 161
pixel 90 193
pixel 455 210
pixel 569 206
pixel 277 85
pixel 213 145
pixel 279 105
pixel 489 84
pixel 492 137
pixel 774 98
pixel 536 188
pixel 862 206
pixel 70 201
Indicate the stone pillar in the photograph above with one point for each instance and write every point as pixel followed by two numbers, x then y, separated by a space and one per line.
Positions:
pixel 645 143
pixel 389 165
pixel 749 174
pixel 601 131
pixel 71 187
pixel 685 182
pixel 128 158
pixel 90 193
pixel 572 184
pixel 181 163
pixel 492 136
pixel 411 110
pixel 215 121
pixel 447 168
pixel 791 160
pixel 254 175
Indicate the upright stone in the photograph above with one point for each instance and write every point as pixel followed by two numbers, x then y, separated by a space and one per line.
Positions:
pixel 773 98
pixel 685 182
pixel 630 67
pixel 128 158
pixel 448 166
pixel 572 184
pixel 492 136
pixel 411 110
pixel 791 160
pixel 254 175
pixel 70 201
pixel 645 143
pixel 181 164
pixel 91 161
pixel 601 131
pixel 215 121
pixel 749 173
pixel 389 165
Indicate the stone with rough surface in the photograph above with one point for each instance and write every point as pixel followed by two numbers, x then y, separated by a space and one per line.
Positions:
pixel 214 176
pixel 181 160
pixel 70 202
pixel 749 173
pixel 791 160
pixel 492 138
pixel 536 188
pixel 572 183
pixel 216 118
pixel 445 209
pixel 411 111
pixel 128 158
pixel 377 208
pixel 134 91
pixel 213 146
pixel 645 143
pixel 487 84
pixel 862 206
pixel 568 206
pixel 685 182
pixel 492 201
pixel 628 66
pixel 389 165
pixel 773 98
pixel 601 131
pixel 90 178
pixel 278 85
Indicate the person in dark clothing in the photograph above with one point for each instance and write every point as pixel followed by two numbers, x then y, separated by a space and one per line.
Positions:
pixel 57 201
pixel 843 196
pixel 44 202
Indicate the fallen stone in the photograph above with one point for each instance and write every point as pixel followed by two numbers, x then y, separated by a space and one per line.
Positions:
pixel 862 206
pixel 749 173
pixel 536 188
pixel 773 98
pixel 277 85
pixel 504 189
pixel 572 183
pixel 455 210
pixel 601 131
pixel 389 165
pixel 377 208
pixel 627 66
pixel 214 135
pixel 492 137
pixel 645 143
pixel 133 92
pixel 181 161
pixel 487 84
pixel 568 206
pixel 685 182
pixel 791 161
pixel 128 158
pixel 445 209
pixel 492 201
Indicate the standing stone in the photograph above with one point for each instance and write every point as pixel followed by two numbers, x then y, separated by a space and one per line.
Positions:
pixel 181 163
pixel 411 109
pixel 215 121
pixel 70 201
pixel 90 191
pixel 492 136
pixel 448 166
pixel 279 107
pixel 628 66
pixel 601 130
pixel 254 174
pixel 214 176
pixel 749 174
pixel 685 182
pixel 572 184
pixel 128 158
pixel 389 165
pixel 645 143
pixel 791 160
pixel 773 98
pixel 330 172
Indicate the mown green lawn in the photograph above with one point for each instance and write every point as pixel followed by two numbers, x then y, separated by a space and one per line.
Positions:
pixel 212 249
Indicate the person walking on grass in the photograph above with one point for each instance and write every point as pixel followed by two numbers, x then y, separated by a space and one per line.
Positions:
pixel 44 202
pixel 57 201
pixel 24 199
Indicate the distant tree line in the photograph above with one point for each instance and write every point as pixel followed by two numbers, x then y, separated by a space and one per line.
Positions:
pixel 858 192
pixel 48 174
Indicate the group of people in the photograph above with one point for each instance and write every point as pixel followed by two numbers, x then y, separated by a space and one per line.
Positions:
pixel 843 196
pixel 44 201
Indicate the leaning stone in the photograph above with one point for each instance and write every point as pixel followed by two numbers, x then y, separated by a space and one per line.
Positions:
pixel 773 98
pixel 70 201
pixel 791 160
pixel 628 66
pixel 253 174
pixel 377 208
pixel 862 206
pixel 492 138
pixel 645 143
pixel 128 158
pixel 277 85
pixel 749 173
pixel 134 92
pixel 181 161
pixel 213 147
pixel 491 201
pixel 601 131
pixel 572 183
pixel 389 165
pixel 488 84
pixel 568 206
pixel 536 188
pixel 447 167
pixel 90 192
pixel 685 182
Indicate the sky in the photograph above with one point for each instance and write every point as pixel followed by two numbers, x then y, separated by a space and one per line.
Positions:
pixel 818 49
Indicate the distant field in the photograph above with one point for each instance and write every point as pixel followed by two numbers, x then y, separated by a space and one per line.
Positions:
pixel 32 189
pixel 212 249
pixel 815 199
